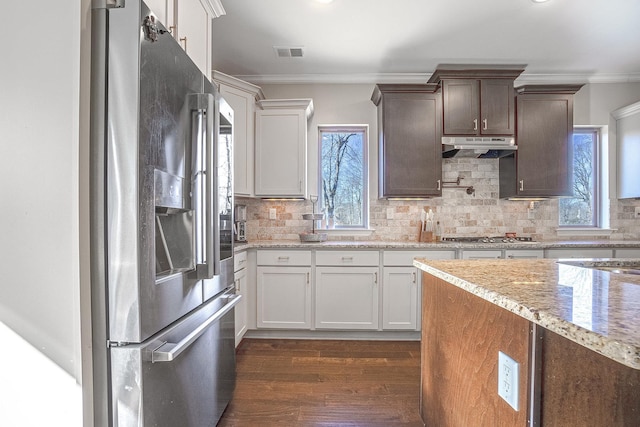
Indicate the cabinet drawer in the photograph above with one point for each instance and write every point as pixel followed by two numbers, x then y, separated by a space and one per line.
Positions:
pixel 405 258
pixel 284 258
pixel 239 261
pixel 335 258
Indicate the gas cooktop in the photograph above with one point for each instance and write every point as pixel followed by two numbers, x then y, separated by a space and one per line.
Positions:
pixel 496 239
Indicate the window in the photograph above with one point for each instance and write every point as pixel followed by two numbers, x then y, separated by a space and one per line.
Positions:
pixel 343 176
pixel 581 210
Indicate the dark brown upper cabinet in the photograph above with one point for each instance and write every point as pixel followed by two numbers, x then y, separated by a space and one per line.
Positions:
pixel 542 165
pixel 477 100
pixel 409 140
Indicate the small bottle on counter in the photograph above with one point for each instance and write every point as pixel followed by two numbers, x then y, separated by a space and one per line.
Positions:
pixel 438 232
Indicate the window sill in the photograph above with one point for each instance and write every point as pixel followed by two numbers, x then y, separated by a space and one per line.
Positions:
pixel 347 231
pixel 584 231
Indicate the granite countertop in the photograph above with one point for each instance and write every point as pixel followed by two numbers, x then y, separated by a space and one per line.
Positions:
pixel 594 308
pixel 374 244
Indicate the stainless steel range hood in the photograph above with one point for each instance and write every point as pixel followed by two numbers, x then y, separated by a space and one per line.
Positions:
pixel 478 147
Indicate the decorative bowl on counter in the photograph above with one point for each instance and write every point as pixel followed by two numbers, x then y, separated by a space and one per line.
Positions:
pixel 313 216
pixel 313 237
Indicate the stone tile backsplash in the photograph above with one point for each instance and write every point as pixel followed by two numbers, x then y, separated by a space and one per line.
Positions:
pixel 461 214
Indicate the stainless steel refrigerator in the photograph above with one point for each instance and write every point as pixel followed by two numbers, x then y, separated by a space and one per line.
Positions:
pixel 161 228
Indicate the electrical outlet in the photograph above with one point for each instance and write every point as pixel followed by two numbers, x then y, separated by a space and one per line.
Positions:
pixel 531 214
pixel 508 379
pixel 637 214
pixel 272 213
pixel 390 213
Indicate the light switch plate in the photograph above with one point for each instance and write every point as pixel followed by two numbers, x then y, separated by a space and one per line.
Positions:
pixel 272 213
pixel 508 379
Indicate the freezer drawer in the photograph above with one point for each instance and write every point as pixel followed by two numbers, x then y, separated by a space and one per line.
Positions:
pixel 184 376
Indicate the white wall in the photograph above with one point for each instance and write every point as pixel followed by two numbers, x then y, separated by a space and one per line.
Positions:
pixel 39 146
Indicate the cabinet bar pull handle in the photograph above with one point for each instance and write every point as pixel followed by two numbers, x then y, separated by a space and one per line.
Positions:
pixel 414 277
pixel 439 185
pixel 238 285
pixel 375 277
pixel 522 185
pixel 172 28
pixel 283 258
pixel 484 124
pixel 347 258
pixel 475 121
pixel 184 39
pixel 308 277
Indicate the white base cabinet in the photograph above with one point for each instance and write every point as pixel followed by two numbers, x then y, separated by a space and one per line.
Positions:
pixel 579 253
pixel 346 298
pixel 284 297
pixel 400 298
pixel 241 283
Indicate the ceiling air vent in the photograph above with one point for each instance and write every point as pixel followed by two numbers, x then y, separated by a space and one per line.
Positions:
pixel 288 52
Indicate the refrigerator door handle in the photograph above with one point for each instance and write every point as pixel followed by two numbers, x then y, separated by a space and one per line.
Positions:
pixel 169 351
pixel 204 104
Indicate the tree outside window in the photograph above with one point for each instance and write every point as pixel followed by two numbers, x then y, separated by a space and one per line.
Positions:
pixel 343 176
pixel 581 209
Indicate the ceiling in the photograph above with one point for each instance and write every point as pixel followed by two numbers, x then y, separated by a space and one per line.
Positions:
pixel 351 41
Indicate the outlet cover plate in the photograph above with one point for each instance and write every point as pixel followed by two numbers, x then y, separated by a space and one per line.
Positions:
pixel 272 213
pixel 508 379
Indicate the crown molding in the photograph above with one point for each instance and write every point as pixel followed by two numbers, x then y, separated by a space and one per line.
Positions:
pixel 305 104
pixel 421 78
pixel 529 78
pixel 366 78
pixel 214 8
pixel 237 83
pixel 627 111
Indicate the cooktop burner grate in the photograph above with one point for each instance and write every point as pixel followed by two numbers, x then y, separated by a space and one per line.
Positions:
pixel 495 239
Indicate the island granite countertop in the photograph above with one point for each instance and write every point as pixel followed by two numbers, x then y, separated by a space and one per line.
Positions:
pixel 597 309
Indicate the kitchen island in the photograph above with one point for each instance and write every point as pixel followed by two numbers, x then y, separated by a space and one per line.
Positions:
pixel 573 330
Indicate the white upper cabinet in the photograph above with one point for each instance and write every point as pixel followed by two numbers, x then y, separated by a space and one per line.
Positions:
pixel 190 23
pixel 242 97
pixel 281 147
pixel 628 148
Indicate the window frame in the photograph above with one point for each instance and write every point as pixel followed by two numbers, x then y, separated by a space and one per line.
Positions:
pixel 597 170
pixel 344 128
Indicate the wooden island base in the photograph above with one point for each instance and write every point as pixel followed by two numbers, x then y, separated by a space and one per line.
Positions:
pixel 561 383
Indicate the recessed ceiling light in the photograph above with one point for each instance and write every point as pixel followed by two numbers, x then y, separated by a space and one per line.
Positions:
pixel 539 1
pixel 324 1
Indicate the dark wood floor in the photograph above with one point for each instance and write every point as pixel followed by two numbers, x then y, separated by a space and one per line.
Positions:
pixel 325 383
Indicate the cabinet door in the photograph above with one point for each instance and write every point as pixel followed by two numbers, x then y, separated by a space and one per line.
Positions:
pixel 545 126
pixel 194 33
pixel 281 153
pixel 284 297
pixel 400 298
pixel 497 109
pixel 410 145
pixel 243 105
pixel 461 107
pixel 346 298
pixel 241 307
